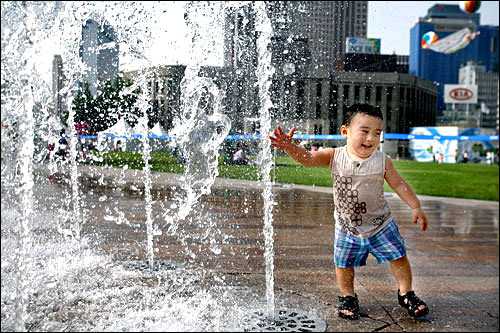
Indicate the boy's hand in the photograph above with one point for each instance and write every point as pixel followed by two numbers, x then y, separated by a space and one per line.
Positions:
pixel 282 140
pixel 418 214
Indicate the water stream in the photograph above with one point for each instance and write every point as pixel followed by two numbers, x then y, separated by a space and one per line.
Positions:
pixel 264 74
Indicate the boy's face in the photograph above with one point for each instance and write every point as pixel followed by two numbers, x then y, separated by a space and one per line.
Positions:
pixel 362 135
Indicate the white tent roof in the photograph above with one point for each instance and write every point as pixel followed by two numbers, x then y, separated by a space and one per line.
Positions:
pixel 120 128
pixel 158 130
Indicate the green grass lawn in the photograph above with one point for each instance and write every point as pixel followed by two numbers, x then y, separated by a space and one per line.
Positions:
pixel 470 181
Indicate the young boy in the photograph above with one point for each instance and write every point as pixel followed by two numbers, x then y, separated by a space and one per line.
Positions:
pixel 363 221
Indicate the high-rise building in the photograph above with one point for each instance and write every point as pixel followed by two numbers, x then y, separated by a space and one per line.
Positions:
pixel 308 36
pixel 290 56
pixel 487 92
pixel 444 68
pixel 450 16
pixel 240 48
pixel 57 86
pixel 327 24
pixel 484 113
pixel 164 87
pixel 99 52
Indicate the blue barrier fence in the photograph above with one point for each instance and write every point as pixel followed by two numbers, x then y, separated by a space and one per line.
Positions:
pixel 387 136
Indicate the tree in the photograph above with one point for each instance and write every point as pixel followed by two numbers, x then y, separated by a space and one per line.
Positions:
pixel 153 113
pixel 478 148
pixel 128 109
pixel 84 107
pixel 110 104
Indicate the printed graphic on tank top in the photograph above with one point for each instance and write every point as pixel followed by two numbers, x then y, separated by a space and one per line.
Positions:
pixel 361 209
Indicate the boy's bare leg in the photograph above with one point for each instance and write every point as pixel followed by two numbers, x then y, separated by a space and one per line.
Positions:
pixel 402 272
pixel 345 281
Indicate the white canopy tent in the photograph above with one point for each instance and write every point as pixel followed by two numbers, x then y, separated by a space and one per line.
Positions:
pixel 160 144
pixel 121 131
pixel 158 130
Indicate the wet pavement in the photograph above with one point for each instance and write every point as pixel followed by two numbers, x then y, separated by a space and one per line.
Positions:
pixel 455 262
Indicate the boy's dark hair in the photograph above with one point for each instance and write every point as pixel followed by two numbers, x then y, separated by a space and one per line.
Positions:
pixel 367 109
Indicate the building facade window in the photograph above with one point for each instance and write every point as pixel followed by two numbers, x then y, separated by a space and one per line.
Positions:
pixel 170 87
pixel 346 94
pixel 300 99
pixel 388 119
pixel 356 93
pixel 318 110
pixel 368 91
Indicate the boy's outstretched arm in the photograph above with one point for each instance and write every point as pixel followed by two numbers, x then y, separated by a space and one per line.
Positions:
pixel 405 192
pixel 299 153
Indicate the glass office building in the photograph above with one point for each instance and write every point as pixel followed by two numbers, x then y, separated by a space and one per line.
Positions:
pixel 443 68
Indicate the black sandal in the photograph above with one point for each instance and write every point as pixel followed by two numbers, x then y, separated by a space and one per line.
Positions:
pixel 349 303
pixel 411 302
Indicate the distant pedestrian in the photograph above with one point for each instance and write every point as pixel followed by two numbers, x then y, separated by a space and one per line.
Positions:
pixel 490 156
pixel 82 129
pixel 241 157
pixel 62 145
pixel 118 146
pixel 465 156
pixel 435 157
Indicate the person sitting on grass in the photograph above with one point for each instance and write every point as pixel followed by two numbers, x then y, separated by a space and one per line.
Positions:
pixel 241 158
pixel 363 220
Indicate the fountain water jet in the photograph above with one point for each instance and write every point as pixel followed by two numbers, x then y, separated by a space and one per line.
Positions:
pixel 264 74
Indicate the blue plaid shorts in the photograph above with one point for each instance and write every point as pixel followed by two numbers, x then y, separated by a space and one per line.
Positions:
pixel 352 251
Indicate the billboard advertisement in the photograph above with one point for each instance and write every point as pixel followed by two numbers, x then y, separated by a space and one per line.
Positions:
pixel 359 45
pixel 429 150
pixel 460 94
pixel 376 44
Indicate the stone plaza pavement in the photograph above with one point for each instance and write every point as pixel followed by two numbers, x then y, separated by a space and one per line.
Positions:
pixel 455 262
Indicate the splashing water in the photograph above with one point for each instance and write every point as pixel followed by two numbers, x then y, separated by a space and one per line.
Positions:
pixel 264 74
pixel 54 276
pixel 201 127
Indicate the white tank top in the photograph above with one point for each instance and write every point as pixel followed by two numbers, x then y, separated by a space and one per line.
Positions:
pixel 361 209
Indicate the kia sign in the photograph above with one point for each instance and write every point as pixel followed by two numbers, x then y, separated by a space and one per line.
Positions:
pixel 460 94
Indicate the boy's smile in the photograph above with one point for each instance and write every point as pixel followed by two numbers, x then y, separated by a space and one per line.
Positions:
pixel 362 135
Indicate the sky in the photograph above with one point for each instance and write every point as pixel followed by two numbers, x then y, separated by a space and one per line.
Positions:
pixel 391 21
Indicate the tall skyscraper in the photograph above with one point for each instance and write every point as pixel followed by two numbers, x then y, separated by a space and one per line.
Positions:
pixel 444 68
pixel 57 86
pixel 99 51
pixel 308 36
pixel 327 24
pixel 289 48
pixel 487 90
pixel 240 42
pixel 323 25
